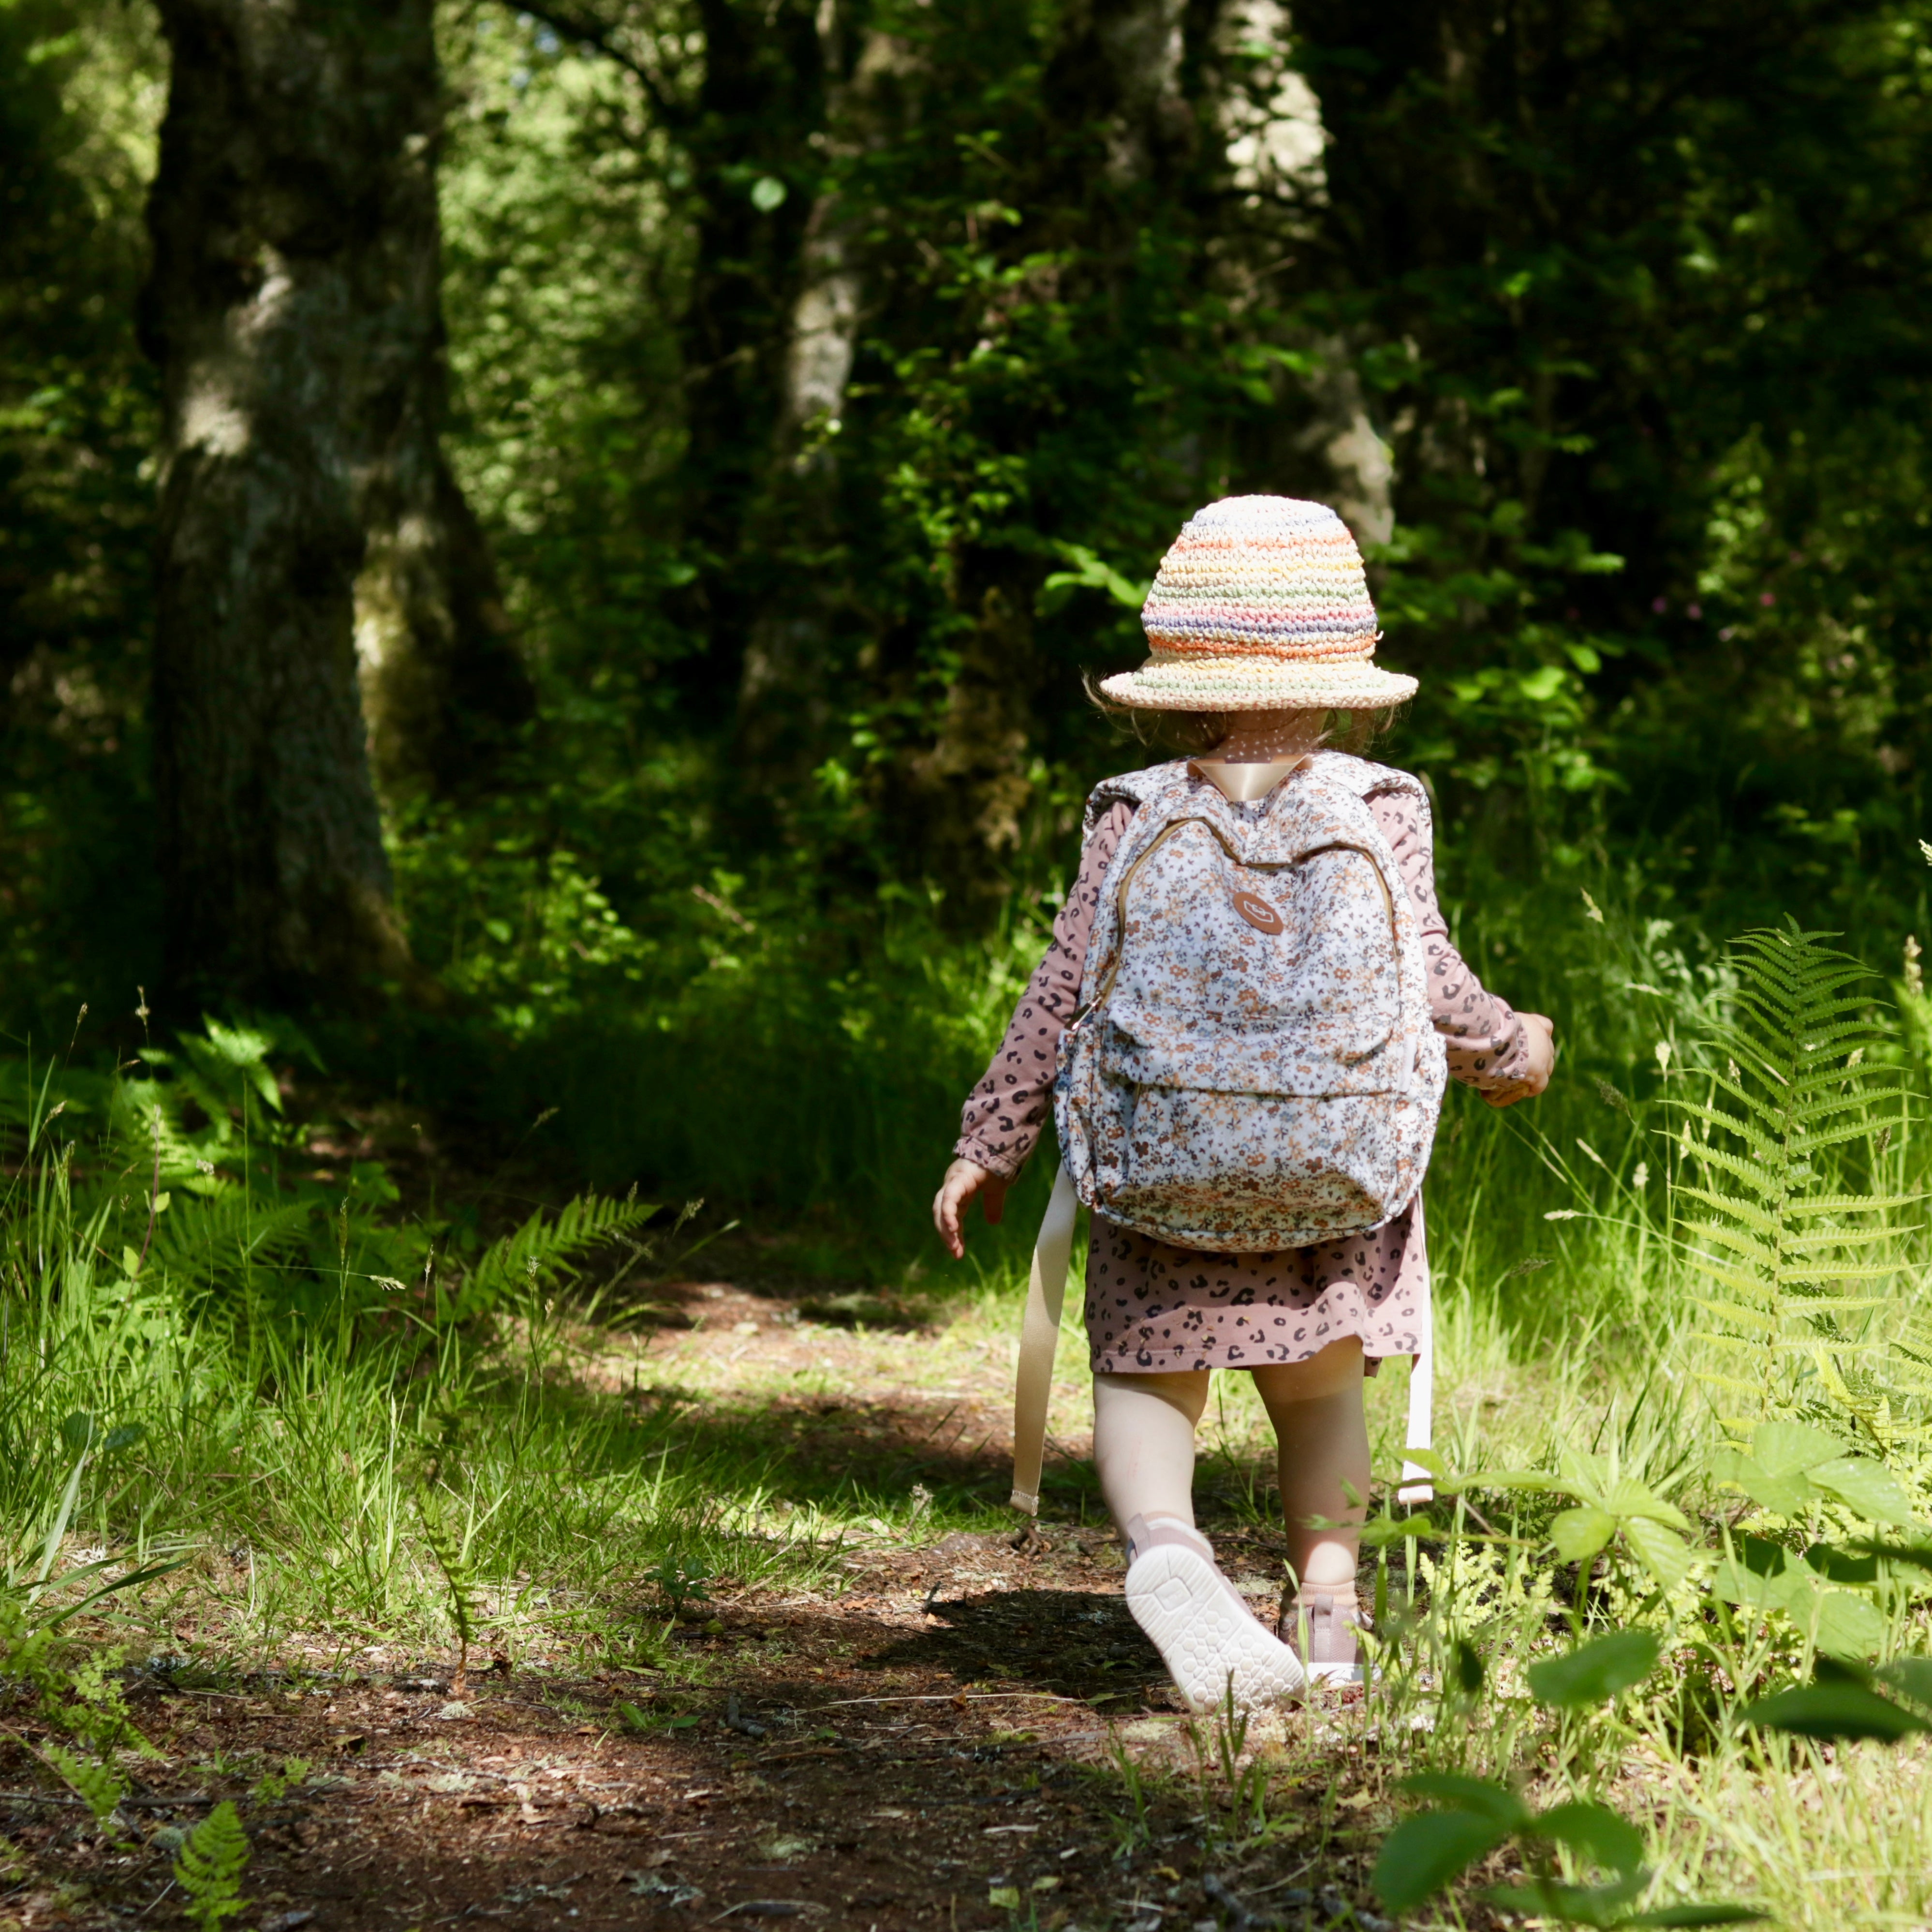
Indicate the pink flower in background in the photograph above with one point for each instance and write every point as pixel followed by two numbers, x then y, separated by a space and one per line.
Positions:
pixel 1659 605
pixel 1767 598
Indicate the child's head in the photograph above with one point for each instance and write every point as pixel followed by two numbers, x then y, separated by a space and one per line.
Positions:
pixel 1260 605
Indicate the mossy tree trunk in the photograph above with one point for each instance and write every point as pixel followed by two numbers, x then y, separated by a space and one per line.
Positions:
pixel 293 309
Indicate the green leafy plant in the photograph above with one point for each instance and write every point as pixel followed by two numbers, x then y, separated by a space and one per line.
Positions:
pixel 452 1553
pixel 1834 1596
pixel 273 1787
pixel 210 1867
pixel 1425 1853
pixel 98 1786
pixel 1845 1702
pixel 1793 1261
pixel 680 1581
pixel 1596 1671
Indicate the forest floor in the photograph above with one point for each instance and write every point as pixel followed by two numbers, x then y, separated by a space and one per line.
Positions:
pixel 970 1730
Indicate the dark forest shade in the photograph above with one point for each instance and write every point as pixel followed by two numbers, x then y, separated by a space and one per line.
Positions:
pixel 294 310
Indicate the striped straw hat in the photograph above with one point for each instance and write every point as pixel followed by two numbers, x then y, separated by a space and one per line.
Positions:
pixel 1261 605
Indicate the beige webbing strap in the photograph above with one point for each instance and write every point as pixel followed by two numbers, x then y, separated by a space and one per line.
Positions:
pixel 1046 1296
pixel 1416 1486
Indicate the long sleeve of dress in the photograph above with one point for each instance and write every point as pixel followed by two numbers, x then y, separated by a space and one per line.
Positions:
pixel 1004 1115
pixel 1006 1112
pixel 1487 1046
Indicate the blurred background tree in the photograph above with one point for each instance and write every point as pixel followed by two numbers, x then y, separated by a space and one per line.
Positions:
pixel 827 381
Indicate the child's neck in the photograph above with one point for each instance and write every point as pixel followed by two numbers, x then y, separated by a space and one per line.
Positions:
pixel 1261 751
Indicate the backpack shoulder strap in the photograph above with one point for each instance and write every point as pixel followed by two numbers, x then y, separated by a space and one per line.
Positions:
pixel 1365 778
pixel 1132 789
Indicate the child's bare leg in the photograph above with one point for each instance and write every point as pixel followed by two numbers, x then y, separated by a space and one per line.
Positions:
pixel 1207 1636
pixel 1322 1441
pixel 1144 1443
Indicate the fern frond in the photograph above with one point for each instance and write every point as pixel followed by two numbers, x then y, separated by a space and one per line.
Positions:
pixel 1855 1204
pixel 1762 1220
pixel 1839 1238
pixel 1758 1175
pixel 209 1868
pixel 1745 1318
pixel 99 1787
pixel 1766 1184
pixel 545 1252
pixel 1765 1219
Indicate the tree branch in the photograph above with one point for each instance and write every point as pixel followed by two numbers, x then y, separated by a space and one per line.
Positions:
pixel 596 36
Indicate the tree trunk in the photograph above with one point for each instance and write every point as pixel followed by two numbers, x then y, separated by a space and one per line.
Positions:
pixel 787 694
pixel 761 102
pixel 292 307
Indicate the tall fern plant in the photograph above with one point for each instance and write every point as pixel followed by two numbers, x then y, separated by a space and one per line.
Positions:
pixel 1792 1258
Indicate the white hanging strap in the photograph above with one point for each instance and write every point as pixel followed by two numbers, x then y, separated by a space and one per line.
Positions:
pixel 1046 1296
pixel 1416 1486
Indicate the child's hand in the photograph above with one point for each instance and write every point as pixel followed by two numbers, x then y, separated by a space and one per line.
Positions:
pixel 1539 1034
pixel 964 1179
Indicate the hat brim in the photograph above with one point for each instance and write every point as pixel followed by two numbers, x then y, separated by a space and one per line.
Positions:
pixel 1249 683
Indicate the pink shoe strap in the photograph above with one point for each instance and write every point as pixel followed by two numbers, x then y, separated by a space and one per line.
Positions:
pixel 1143 1536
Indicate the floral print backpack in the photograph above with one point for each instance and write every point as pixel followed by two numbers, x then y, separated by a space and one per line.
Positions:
pixel 1254 1066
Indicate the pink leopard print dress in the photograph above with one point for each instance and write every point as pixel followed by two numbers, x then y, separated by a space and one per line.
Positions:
pixel 1151 1306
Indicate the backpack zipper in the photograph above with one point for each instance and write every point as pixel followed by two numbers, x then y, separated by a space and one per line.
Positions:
pixel 1161 838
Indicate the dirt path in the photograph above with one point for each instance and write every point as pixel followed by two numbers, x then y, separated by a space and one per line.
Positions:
pixel 972 1732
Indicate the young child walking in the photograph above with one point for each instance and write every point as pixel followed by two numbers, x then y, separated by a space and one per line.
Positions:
pixel 1242 1024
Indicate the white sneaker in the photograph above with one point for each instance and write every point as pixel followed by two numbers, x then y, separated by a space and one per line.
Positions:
pixel 1205 1633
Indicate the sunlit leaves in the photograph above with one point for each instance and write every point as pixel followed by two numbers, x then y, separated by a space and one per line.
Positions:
pixel 1597 1671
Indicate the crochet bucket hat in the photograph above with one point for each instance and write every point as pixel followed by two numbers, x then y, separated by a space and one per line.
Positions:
pixel 1261 605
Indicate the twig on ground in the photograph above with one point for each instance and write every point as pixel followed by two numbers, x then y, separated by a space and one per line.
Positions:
pixel 734 1722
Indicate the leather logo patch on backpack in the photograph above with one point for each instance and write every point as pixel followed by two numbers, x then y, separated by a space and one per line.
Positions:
pixel 1258 913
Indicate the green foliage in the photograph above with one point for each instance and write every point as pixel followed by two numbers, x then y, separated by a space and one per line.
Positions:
pixel 273 1787
pixel 452 1553
pixel 678 1580
pixel 1595 1671
pixel 97 1785
pixel 210 1867
pixel 1795 1263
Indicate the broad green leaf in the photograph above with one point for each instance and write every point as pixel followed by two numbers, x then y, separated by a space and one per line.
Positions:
pixel 1839 1710
pixel 1662 1552
pixel 1596 1671
pixel 1918 1554
pixel 1594 1833
pixel 1579 1533
pixel 1597 1905
pixel 1790 1448
pixel 1532 1481
pixel 1423 1855
pixel 1839 1566
pixel 1717 1913
pixel 1627 1497
pixel 1846 1625
pixel 1790 1495
pixel 1910 1677
pixel 1736 1583
pixel 1479 1794
pixel 1379 1530
pixel 1868 1487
